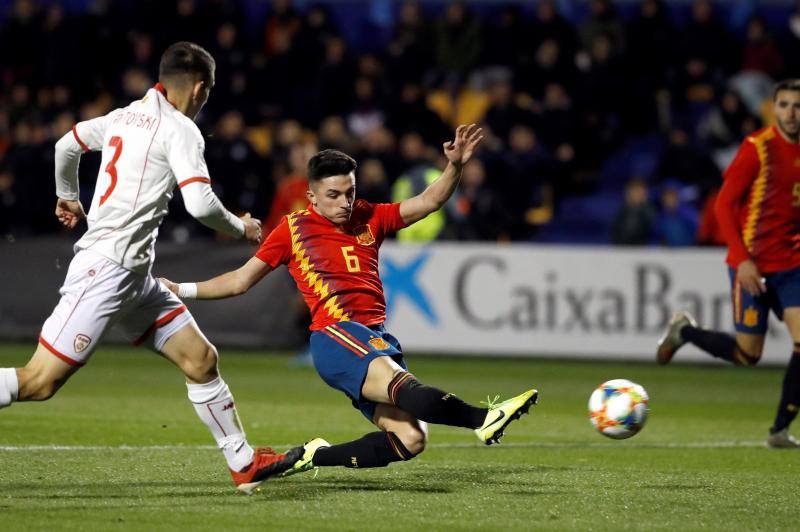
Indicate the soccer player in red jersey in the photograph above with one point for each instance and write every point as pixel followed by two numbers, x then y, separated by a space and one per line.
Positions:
pixel 331 250
pixel 758 210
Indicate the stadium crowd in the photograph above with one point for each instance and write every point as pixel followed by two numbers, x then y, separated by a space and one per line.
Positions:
pixel 607 123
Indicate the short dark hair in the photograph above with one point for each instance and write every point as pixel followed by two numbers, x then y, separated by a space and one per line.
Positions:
pixel 786 85
pixel 330 162
pixel 186 58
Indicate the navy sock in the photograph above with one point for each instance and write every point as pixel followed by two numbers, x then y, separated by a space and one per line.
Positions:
pixel 432 405
pixel 376 449
pixel 719 344
pixel 790 394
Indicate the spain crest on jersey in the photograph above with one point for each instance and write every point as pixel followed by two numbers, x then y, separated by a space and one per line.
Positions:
pixel 364 235
pixel 379 343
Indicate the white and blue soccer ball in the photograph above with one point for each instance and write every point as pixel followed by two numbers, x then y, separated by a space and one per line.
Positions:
pixel 618 408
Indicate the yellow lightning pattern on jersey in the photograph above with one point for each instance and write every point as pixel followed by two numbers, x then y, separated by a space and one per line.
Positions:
pixel 759 187
pixel 314 280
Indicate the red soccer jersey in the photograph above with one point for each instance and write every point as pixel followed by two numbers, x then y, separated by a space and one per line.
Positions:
pixel 335 267
pixel 758 208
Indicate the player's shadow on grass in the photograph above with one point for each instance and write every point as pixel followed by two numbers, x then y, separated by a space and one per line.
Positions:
pixel 116 490
pixel 320 488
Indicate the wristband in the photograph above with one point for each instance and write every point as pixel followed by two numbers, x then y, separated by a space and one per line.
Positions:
pixel 187 290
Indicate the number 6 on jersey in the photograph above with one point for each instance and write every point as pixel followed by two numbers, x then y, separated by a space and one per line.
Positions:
pixel 351 260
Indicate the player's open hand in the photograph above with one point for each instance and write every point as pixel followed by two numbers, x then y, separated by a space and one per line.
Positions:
pixel 748 276
pixel 172 287
pixel 460 150
pixel 252 228
pixel 69 212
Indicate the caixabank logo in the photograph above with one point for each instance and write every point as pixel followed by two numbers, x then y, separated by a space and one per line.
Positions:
pixel 403 280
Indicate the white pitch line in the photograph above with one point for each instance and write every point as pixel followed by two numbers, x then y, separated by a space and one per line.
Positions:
pixel 524 445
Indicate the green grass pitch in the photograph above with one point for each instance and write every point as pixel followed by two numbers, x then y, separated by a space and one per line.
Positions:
pixel 120 448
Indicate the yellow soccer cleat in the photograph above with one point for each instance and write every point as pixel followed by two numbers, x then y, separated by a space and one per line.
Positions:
pixel 501 414
pixel 305 463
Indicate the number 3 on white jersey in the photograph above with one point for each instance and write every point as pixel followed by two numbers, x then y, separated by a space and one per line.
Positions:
pixel 111 168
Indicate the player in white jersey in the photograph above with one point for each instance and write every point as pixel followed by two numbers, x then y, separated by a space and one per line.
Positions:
pixel 149 148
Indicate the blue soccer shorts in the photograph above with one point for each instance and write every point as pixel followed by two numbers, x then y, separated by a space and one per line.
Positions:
pixel 750 313
pixel 342 353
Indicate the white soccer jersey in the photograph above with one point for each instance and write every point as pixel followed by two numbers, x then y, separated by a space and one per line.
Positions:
pixel 148 148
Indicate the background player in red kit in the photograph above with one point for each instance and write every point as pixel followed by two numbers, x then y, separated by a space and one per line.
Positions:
pixel 331 250
pixel 758 210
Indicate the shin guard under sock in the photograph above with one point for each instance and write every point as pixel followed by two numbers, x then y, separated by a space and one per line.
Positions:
pixel 790 394
pixel 432 405
pixel 376 449
pixel 719 344
pixel 214 405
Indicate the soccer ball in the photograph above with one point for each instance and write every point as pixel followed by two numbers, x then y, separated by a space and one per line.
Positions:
pixel 618 408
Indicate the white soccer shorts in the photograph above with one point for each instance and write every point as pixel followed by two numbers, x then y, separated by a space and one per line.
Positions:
pixel 99 294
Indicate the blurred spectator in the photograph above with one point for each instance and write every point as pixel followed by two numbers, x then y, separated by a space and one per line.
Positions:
pixel 684 161
pixel 603 19
pixel 372 181
pixel 412 114
pixel 290 190
pixel 651 40
pixel 706 38
pixel 601 100
pixel 334 134
pixel 458 42
pixel 633 223
pixel 187 23
pixel 506 40
pixel 282 24
pixel 549 24
pixel 366 112
pixel 504 113
pixel 555 125
pixel 792 41
pixel 761 54
pixel 549 65
pixel 725 126
pixel 379 143
pixel 728 122
pixel 676 223
pixel 409 48
pixel 476 212
pixel 238 173
pixel 419 173
pixel 527 183
pixel 334 82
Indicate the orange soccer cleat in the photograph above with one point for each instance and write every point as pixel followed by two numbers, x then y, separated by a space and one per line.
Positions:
pixel 266 463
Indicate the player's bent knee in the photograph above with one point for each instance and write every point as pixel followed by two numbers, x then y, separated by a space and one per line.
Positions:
pixel 414 439
pixel 752 360
pixel 748 358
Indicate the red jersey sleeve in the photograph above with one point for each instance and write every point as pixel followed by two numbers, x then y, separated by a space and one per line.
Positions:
pixel 276 249
pixel 388 217
pixel 737 180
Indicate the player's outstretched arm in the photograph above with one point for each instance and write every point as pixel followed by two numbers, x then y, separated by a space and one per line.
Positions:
pixel 205 206
pixel 458 153
pixel 228 284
